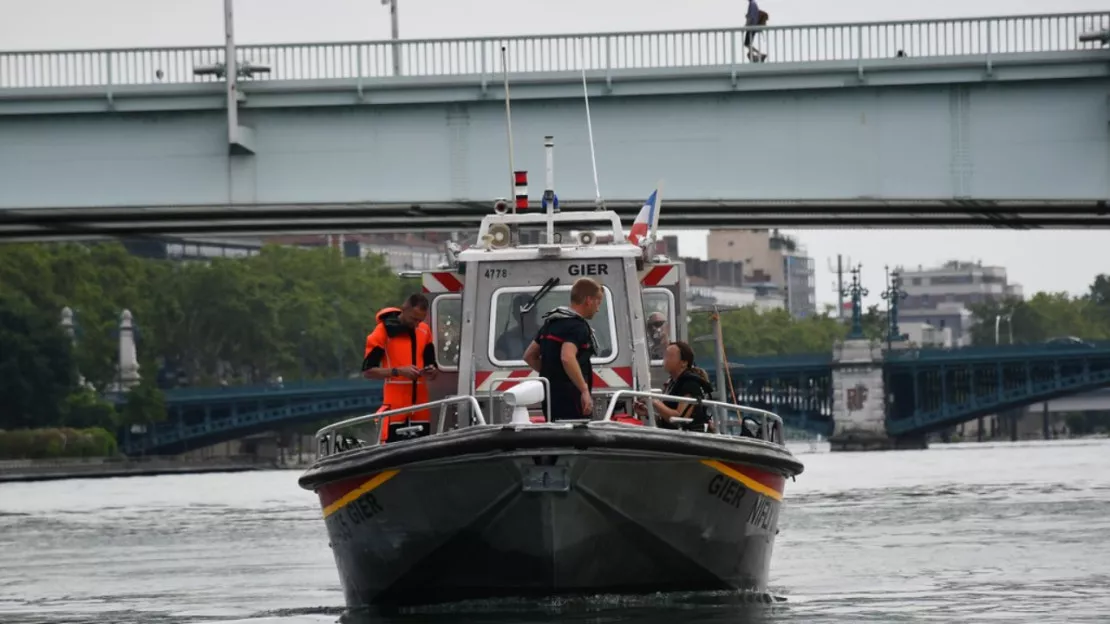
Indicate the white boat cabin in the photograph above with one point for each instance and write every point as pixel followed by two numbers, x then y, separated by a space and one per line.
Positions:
pixel 486 308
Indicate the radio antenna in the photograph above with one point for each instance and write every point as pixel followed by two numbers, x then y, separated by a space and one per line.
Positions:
pixel 590 130
pixel 509 125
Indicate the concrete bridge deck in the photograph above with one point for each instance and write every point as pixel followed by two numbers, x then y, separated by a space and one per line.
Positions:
pixel 1006 116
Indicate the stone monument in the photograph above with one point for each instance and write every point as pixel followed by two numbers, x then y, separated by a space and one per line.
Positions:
pixel 128 358
pixel 859 414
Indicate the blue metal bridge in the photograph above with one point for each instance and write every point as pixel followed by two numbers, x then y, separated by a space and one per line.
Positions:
pixel 927 390
pixel 1006 115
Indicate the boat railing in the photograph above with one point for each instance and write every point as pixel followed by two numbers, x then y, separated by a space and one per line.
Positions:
pixel 770 423
pixel 329 440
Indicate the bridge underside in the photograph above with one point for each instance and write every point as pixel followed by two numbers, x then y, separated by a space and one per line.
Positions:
pixel 47 224
pixel 934 396
pixel 189 431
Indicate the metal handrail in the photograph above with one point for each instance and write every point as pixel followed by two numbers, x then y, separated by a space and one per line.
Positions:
pixel 595 52
pixel 765 432
pixel 442 404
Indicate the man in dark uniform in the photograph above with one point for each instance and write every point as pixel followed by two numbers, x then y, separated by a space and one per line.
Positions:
pixel 562 350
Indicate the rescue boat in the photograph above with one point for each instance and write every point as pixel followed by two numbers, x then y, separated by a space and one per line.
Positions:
pixel 495 501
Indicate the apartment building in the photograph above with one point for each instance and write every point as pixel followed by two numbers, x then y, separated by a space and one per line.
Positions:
pixel 940 296
pixel 773 262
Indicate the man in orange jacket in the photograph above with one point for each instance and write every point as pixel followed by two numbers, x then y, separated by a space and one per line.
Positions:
pixel 400 351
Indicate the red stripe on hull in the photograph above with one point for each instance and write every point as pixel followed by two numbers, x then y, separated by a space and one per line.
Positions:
pixel 335 491
pixel 774 481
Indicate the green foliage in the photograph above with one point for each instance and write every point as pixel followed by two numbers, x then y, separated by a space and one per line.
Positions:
pixel 750 333
pixel 1046 316
pixel 36 363
pixel 56 443
pixel 287 311
pixel 145 404
pixel 84 408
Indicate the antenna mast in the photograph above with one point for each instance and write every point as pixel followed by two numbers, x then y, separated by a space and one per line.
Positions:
pixel 509 125
pixel 839 286
pixel 590 130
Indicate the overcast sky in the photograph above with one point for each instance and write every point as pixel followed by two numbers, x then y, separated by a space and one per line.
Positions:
pixel 1049 260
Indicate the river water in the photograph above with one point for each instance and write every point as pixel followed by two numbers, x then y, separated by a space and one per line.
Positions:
pixel 959 533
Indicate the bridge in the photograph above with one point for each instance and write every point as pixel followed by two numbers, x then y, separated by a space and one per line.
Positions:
pixel 988 121
pixel 894 402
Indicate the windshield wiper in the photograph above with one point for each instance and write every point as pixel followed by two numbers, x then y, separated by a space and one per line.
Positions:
pixel 531 303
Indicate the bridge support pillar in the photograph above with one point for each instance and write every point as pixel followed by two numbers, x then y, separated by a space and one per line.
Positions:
pixel 859 401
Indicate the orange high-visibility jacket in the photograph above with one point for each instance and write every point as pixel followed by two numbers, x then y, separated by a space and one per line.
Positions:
pixel 401 347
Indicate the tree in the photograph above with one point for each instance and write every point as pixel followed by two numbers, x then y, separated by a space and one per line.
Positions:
pixel 37 369
pixel 145 404
pixel 1045 316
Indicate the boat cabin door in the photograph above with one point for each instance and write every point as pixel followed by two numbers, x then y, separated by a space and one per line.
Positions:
pixel 665 312
pixel 444 290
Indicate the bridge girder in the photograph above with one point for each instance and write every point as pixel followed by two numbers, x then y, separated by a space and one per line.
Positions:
pixel 56 224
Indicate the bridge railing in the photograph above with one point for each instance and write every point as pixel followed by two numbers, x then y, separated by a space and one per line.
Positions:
pixel 595 52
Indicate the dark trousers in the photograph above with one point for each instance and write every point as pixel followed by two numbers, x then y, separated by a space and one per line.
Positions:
pixel 566 403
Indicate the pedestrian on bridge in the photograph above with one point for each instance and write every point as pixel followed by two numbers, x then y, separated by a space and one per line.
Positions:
pixel 400 351
pixel 754 19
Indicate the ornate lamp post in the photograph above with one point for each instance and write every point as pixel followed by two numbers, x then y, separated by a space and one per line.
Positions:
pixel 857 292
pixel 893 295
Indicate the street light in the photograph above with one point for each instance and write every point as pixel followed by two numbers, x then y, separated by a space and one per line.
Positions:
pixel 396 33
pixel 1102 36
pixel 1010 325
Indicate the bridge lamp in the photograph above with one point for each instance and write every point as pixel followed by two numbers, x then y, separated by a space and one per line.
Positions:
pixel 396 34
pixel 219 70
pixel 1098 36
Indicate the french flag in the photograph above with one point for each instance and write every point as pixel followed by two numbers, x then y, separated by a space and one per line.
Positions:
pixel 648 219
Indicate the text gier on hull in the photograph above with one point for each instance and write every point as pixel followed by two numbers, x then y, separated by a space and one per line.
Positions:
pixel 562 349
pixel 401 352
pixel 686 380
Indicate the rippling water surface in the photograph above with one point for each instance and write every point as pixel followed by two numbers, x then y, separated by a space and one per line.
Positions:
pixel 958 533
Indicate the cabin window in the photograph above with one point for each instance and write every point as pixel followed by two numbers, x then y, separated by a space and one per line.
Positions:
pixel 510 335
pixel 446 325
pixel 659 313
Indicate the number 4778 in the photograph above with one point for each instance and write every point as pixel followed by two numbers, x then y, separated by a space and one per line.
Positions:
pixel 497 273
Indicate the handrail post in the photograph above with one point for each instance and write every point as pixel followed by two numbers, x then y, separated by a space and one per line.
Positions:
pixel 990 47
pixel 358 65
pixel 108 62
pixel 859 51
pixel 485 78
pixel 609 62
pixel 732 58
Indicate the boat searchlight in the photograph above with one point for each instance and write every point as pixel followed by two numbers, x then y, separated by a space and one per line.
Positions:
pixel 520 396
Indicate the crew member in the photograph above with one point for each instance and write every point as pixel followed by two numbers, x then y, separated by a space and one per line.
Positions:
pixel 686 380
pixel 400 351
pixel 657 335
pixel 562 350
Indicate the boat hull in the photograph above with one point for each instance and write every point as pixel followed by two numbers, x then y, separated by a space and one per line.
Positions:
pixel 554 519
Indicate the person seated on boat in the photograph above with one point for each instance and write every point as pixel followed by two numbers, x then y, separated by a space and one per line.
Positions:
pixel 657 335
pixel 562 349
pixel 510 345
pixel 687 380
pixel 400 351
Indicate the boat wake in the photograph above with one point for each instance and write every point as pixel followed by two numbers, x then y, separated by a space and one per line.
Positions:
pixel 571 606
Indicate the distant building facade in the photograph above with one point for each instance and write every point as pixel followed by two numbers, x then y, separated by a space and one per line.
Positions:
pixel 940 296
pixel 772 263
